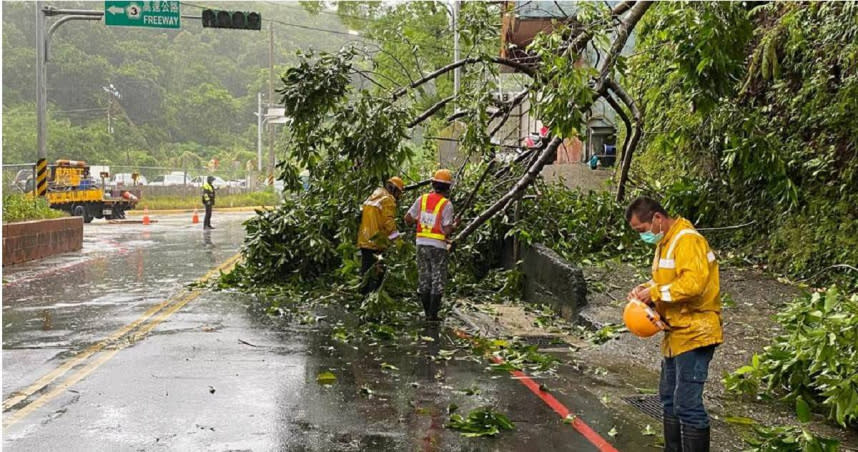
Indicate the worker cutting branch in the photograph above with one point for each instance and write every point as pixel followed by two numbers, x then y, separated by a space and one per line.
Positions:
pixel 433 215
pixel 377 229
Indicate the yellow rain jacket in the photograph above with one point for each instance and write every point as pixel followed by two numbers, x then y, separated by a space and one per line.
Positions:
pixel 686 289
pixel 377 220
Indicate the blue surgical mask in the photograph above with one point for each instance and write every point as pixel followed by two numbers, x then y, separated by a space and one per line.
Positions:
pixel 651 237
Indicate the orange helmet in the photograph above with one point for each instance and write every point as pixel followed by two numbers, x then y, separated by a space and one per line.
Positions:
pixel 395 180
pixel 642 320
pixel 443 175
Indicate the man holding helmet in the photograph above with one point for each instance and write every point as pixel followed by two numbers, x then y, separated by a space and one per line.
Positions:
pixel 685 293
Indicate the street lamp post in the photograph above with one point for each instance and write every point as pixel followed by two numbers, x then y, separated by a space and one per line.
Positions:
pixel 111 93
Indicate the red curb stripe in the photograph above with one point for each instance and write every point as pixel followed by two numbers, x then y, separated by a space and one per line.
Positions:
pixel 578 424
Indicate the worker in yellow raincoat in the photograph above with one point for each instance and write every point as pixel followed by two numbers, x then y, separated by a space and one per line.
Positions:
pixel 377 229
pixel 685 290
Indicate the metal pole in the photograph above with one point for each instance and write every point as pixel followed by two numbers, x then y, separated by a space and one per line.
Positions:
pixel 270 102
pixel 259 132
pixel 109 104
pixel 456 74
pixel 41 84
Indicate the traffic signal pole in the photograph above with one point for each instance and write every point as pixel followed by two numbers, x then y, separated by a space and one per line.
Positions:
pixel 41 101
pixel 43 37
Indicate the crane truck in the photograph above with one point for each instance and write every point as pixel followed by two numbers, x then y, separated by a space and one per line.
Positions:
pixel 72 188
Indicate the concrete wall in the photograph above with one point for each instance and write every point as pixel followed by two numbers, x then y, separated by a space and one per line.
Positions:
pixel 550 279
pixel 31 240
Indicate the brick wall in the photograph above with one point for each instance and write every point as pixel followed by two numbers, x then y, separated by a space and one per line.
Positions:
pixel 31 240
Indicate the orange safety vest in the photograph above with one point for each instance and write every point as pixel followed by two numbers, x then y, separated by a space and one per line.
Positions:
pixel 429 217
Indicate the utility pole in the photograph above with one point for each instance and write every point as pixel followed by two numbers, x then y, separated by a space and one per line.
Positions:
pixel 270 102
pixel 41 102
pixel 259 132
pixel 456 73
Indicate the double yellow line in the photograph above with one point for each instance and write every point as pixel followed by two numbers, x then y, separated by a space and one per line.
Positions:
pixel 119 339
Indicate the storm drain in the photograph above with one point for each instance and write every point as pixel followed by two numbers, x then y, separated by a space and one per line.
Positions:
pixel 649 404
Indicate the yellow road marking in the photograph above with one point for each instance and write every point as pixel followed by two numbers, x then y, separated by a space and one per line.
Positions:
pixel 59 389
pixel 178 303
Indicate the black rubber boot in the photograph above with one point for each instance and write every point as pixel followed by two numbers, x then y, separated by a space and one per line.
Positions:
pixel 426 299
pixel 695 439
pixel 672 434
pixel 435 307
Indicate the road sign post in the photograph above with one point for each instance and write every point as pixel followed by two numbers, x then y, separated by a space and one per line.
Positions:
pixel 148 14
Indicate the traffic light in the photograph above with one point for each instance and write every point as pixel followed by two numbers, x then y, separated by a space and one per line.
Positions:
pixel 237 20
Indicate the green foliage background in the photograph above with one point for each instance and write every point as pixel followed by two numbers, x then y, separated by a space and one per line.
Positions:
pixel 751 116
pixel 187 95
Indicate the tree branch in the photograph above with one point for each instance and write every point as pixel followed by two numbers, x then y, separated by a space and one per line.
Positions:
pixel 456 115
pixel 622 8
pixel 371 80
pixel 463 62
pixel 631 142
pixel 417 185
pixel 527 69
pixel 431 111
pixel 623 29
pixel 508 108
pixel 431 76
pixel 519 187
pixel 470 199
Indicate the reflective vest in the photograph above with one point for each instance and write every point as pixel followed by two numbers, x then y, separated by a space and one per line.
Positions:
pixel 208 194
pixel 429 218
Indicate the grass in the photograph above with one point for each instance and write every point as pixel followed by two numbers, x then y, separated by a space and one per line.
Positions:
pixel 259 198
pixel 20 207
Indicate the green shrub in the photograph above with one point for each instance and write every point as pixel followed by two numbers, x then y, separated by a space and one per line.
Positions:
pixel 789 439
pixel 20 207
pixel 815 360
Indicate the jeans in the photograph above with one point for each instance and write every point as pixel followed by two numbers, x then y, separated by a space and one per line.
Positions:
pixel 681 386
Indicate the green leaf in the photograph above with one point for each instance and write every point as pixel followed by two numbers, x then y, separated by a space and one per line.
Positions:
pixel 326 378
pixel 802 410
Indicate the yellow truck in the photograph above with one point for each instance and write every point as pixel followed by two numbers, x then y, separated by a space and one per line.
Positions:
pixel 72 188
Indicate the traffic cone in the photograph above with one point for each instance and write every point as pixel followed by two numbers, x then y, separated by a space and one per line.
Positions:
pixel 196 218
pixel 145 215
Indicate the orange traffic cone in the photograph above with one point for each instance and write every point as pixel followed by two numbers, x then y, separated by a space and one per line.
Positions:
pixel 145 215
pixel 196 218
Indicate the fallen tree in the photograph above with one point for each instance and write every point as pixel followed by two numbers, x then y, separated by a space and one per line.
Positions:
pixel 341 129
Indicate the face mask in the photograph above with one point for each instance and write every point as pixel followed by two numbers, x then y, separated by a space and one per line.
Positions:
pixel 651 238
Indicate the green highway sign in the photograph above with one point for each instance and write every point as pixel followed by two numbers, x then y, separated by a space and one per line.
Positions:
pixel 142 14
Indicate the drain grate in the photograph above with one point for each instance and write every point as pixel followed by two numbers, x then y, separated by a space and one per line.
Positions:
pixel 649 404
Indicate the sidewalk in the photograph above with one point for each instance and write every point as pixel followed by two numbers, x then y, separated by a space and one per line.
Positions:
pixel 624 371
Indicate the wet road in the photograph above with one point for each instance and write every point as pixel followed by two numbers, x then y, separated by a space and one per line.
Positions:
pixel 108 349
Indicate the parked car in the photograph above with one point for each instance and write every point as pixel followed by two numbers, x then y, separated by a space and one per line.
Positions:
pixel 125 179
pixel 200 180
pixel 174 178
